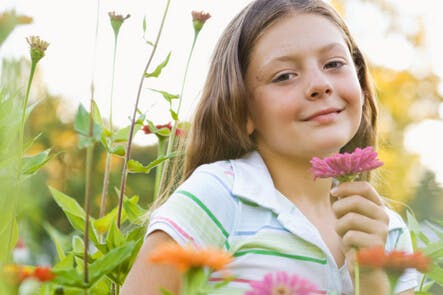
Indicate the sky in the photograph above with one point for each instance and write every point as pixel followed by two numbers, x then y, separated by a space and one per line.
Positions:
pixel 70 63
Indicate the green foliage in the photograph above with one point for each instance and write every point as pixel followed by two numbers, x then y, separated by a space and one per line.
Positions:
pixel 156 73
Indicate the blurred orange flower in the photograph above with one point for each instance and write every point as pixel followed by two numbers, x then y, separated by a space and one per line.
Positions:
pixel 43 273
pixel 376 257
pixel 188 257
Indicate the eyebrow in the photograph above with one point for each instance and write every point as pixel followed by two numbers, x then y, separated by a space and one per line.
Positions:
pixel 289 57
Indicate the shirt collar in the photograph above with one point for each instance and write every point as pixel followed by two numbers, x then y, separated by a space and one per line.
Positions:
pixel 252 182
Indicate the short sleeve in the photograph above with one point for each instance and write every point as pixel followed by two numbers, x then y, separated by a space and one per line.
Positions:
pixel 399 239
pixel 201 211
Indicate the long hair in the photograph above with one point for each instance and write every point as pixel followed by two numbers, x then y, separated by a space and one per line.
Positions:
pixel 218 131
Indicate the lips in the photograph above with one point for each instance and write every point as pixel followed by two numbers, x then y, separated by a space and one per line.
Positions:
pixel 323 113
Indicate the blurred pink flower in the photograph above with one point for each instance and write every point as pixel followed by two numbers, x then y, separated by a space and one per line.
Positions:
pixel 281 283
pixel 345 166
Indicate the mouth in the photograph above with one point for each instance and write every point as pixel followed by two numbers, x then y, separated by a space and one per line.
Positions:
pixel 329 112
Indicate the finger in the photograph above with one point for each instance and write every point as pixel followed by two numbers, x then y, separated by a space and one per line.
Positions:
pixel 356 222
pixel 358 239
pixel 360 205
pixel 362 188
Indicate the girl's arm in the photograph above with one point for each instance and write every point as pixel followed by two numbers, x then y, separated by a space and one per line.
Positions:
pixel 147 278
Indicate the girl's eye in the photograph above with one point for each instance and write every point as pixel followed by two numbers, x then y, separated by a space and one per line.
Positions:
pixel 334 64
pixel 284 77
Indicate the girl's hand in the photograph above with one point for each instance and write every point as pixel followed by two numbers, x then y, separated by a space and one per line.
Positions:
pixel 362 222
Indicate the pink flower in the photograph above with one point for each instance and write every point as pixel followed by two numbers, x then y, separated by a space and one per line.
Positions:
pixel 281 283
pixel 345 166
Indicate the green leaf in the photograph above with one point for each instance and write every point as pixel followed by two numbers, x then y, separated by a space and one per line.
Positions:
pixel 434 250
pixel 96 114
pixel 60 241
pixel 31 164
pixel 134 212
pixel 165 292
pixel 166 95
pixel 30 108
pixel 75 213
pixel 122 135
pixel 159 68
pixel 144 24
pixel 165 132
pixel 81 124
pixel 415 230
pixel 29 144
pixel 436 274
pixel 137 167
pixel 115 237
pixel 118 150
pixel 438 230
pixel 174 115
pixel 78 246
pixel 110 261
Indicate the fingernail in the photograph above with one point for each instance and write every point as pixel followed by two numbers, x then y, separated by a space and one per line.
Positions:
pixel 333 191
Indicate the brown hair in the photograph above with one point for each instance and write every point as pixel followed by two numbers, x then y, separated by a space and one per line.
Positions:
pixel 218 131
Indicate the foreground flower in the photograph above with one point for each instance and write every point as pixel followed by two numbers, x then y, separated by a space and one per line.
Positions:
pixel 185 258
pixel 38 48
pixel 199 19
pixel 396 261
pixel 281 283
pixel 16 274
pixel 346 166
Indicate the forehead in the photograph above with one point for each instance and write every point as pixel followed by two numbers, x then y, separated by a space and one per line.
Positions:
pixel 299 33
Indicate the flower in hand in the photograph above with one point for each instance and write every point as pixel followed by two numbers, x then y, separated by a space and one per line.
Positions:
pixel 347 166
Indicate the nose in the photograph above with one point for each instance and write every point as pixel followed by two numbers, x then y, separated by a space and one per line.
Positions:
pixel 319 85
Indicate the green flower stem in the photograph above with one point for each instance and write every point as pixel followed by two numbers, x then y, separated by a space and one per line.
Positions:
pixel 131 132
pixel 356 275
pixel 159 169
pixel 174 128
pixel 88 185
pixel 89 162
pixel 108 154
pixel 23 119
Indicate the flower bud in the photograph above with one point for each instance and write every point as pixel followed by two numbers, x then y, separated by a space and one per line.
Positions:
pixel 38 47
pixel 117 20
pixel 199 19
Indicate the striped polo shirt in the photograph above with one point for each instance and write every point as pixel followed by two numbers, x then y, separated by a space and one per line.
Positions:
pixel 234 205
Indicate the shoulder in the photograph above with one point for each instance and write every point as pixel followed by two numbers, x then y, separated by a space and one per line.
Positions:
pixel 202 209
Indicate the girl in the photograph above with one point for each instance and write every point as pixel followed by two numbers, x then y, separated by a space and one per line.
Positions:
pixel 287 82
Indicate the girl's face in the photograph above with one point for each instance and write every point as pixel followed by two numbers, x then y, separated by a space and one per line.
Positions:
pixel 304 95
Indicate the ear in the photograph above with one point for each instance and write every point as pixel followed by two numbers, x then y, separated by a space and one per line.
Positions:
pixel 249 125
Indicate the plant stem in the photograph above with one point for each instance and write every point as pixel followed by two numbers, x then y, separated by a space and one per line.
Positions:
pixel 108 154
pixel 356 276
pixel 158 172
pixel 88 185
pixel 23 119
pixel 174 128
pixel 131 132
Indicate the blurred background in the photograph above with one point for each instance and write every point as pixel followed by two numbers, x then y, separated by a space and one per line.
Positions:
pixel 401 38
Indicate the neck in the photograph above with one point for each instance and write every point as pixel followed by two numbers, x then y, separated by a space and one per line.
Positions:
pixel 294 180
